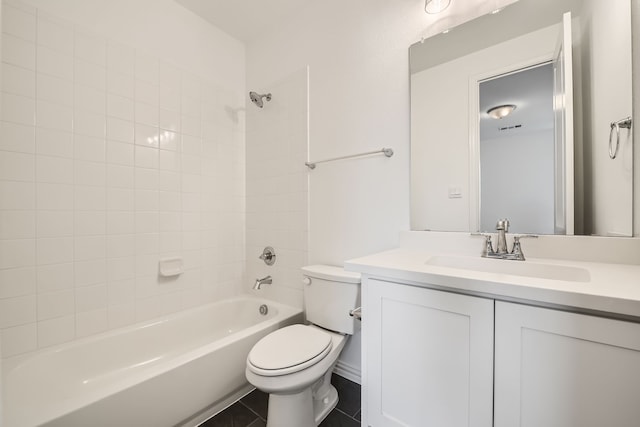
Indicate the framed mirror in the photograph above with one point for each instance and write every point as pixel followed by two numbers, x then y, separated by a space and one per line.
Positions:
pixel 545 165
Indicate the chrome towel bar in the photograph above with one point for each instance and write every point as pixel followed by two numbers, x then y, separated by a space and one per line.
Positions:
pixel 386 151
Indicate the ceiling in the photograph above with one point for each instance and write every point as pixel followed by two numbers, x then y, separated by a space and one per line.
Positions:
pixel 245 19
pixel 248 19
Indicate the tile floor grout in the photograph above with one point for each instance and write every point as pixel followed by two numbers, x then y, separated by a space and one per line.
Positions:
pixel 246 412
pixel 251 409
pixel 347 415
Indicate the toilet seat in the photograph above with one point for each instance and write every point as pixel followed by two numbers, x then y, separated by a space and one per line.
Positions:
pixel 288 350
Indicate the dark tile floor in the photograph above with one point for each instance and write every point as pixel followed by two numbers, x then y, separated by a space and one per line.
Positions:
pixel 251 410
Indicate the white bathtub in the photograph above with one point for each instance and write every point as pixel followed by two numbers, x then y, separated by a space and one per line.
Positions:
pixel 174 370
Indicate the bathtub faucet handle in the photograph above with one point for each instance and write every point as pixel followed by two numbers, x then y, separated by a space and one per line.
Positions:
pixel 264 281
pixel 268 255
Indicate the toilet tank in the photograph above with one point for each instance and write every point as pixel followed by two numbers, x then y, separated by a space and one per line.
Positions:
pixel 329 294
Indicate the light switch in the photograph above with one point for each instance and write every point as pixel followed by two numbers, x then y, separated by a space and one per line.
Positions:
pixel 455 192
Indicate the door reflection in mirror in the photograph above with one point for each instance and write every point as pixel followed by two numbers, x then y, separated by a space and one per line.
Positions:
pixel 517 155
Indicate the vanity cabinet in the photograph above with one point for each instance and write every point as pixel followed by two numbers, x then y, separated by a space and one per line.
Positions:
pixel 428 357
pixel 559 369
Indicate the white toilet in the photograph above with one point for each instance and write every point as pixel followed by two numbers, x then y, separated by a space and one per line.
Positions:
pixel 294 364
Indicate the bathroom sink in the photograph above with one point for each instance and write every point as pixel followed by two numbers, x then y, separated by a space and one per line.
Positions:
pixel 515 268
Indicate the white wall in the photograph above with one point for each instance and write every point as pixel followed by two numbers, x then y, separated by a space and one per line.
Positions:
pixel 356 206
pixel 635 44
pixel 1 353
pixel 609 203
pixel 517 182
pixel 117 149
pixel 277 189
pixel 357 53
pixel 161 28
pixel 441 130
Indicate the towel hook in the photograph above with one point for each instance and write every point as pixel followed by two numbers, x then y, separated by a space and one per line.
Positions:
pixel 625 124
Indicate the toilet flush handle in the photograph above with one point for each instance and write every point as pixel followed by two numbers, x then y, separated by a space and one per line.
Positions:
pixel 356 312
pixel 306 280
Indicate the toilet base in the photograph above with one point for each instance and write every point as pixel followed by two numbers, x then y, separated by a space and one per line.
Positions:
pixel 322 407
pixel 300 409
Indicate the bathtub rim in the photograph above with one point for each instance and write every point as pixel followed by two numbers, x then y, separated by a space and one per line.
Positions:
pixel 172 361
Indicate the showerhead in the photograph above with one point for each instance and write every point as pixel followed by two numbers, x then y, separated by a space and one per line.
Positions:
pixel 256 98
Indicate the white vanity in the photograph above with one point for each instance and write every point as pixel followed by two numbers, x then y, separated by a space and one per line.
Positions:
pixel 452 339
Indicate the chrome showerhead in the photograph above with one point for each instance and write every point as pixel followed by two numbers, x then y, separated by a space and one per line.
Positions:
pixel 256 98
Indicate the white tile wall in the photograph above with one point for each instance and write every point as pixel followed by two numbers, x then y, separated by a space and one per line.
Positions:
pixel 277 190
pixel 110 158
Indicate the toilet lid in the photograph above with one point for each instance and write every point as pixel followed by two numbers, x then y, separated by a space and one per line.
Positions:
pixel 289 350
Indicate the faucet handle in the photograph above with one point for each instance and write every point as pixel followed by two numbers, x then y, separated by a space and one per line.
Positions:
pixel 517 249
pixel 268 255
pixel 488 246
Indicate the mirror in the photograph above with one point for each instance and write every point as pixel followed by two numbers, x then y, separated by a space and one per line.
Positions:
pixel 461 183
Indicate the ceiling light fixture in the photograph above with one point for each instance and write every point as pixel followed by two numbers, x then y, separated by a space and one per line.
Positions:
pixel 436 6
pixel 501 111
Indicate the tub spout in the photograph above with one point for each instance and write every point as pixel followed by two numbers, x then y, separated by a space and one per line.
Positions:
pixel 264 281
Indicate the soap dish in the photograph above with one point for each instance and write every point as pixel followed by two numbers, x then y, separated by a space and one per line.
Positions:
pixel 170 267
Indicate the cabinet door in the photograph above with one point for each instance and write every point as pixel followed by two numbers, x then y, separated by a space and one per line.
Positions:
pixel 428 357
pixel 559 369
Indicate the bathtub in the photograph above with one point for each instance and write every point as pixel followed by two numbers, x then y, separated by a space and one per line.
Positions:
pixel 174 370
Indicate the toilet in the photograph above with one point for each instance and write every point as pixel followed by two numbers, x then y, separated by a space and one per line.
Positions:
pixel 294 364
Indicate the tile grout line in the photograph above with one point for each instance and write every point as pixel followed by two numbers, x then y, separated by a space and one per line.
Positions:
pixel 259 417
pixel 252 411
pixel 352 417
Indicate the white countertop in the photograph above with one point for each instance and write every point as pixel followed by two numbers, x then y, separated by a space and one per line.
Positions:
pixel 612 288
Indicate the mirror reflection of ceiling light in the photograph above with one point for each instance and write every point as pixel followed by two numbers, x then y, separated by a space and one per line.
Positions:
pixel 436 6
pixel 501 111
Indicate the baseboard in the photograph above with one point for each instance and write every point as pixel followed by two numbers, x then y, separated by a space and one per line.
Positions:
pixel 348 371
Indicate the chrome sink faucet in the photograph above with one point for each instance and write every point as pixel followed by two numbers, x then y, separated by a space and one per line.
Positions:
pixel 502 252
pixel 503 228
pixel 264 281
